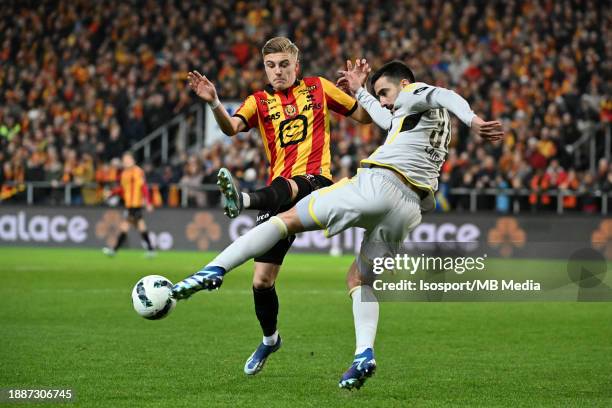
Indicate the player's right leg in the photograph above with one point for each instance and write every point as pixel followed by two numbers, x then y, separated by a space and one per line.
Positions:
pixel 124 227
pixel 255 242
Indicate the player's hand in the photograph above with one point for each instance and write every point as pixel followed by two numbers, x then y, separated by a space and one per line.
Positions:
pixel 356 75
pixel 491 131
pixel 149 207
pixel 343 85
pixel 202 86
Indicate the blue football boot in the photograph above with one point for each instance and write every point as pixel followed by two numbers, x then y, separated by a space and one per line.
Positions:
pixel 256 362
pixel 361 369
pixel 209 278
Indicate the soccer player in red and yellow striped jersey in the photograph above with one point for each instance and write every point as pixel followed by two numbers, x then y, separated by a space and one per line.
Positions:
pixel 135 192
pixel 293 119
pixel 294 125
pixel 133 187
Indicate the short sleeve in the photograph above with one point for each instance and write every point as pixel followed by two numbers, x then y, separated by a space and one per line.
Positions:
pixel 248 112
pixel 338 100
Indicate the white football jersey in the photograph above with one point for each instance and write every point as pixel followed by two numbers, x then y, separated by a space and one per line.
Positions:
pixel 419 132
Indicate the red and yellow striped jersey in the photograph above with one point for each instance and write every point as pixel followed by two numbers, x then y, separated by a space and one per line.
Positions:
pixel 134 188
pixel 294 125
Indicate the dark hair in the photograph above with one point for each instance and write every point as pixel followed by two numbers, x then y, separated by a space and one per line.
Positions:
pixel 395 70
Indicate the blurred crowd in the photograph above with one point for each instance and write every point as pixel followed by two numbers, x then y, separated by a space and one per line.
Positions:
pixel 82 81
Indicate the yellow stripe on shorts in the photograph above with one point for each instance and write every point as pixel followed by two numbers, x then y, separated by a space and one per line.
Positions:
pixel 322 192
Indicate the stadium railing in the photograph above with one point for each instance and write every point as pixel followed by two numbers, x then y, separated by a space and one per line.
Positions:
pixel 557 195
pixel 179 134
pixel 68 191
pixel 587 145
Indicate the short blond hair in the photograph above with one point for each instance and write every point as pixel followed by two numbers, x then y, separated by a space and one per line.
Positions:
pixel 280 44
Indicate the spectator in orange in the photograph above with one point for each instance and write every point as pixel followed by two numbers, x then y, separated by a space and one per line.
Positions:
pixel 539 184
pixel 569 185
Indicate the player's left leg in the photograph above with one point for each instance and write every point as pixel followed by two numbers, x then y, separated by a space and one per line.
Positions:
pixel 382 240
pixel 266 310
pixel 281 192
pixel 265 299
pixel 365 320
pixel 286 192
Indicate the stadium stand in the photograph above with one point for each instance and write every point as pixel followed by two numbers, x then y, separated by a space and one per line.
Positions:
pixel 82 81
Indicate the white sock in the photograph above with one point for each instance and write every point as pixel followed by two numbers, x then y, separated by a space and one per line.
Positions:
pixel 255 242
pixel 270 340
pixel 365 317
pixel 246 200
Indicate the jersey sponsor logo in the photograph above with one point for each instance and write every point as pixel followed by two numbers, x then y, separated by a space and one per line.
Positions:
pixel 267 101
pixel 293 131
pixel 310 106
pixel 308 91
pixel 434 155
pixel 271 117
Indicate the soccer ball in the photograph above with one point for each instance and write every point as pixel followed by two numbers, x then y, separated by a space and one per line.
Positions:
pixel 152 297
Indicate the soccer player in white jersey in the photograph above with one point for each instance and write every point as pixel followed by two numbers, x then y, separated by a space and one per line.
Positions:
pixel 386 196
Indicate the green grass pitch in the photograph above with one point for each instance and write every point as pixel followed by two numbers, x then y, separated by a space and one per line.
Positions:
pixel 67 321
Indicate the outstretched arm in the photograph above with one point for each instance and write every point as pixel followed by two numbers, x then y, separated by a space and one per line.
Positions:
pixel 354 79
pixel 420 96
pixel 361 115
pixel 491 131
pixel 206 90
pixel 381 116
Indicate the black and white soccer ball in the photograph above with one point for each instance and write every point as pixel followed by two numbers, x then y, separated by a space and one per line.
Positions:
pixel 152 297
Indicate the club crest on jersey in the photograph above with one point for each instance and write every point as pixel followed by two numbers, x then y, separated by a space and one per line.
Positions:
pixel 290 110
